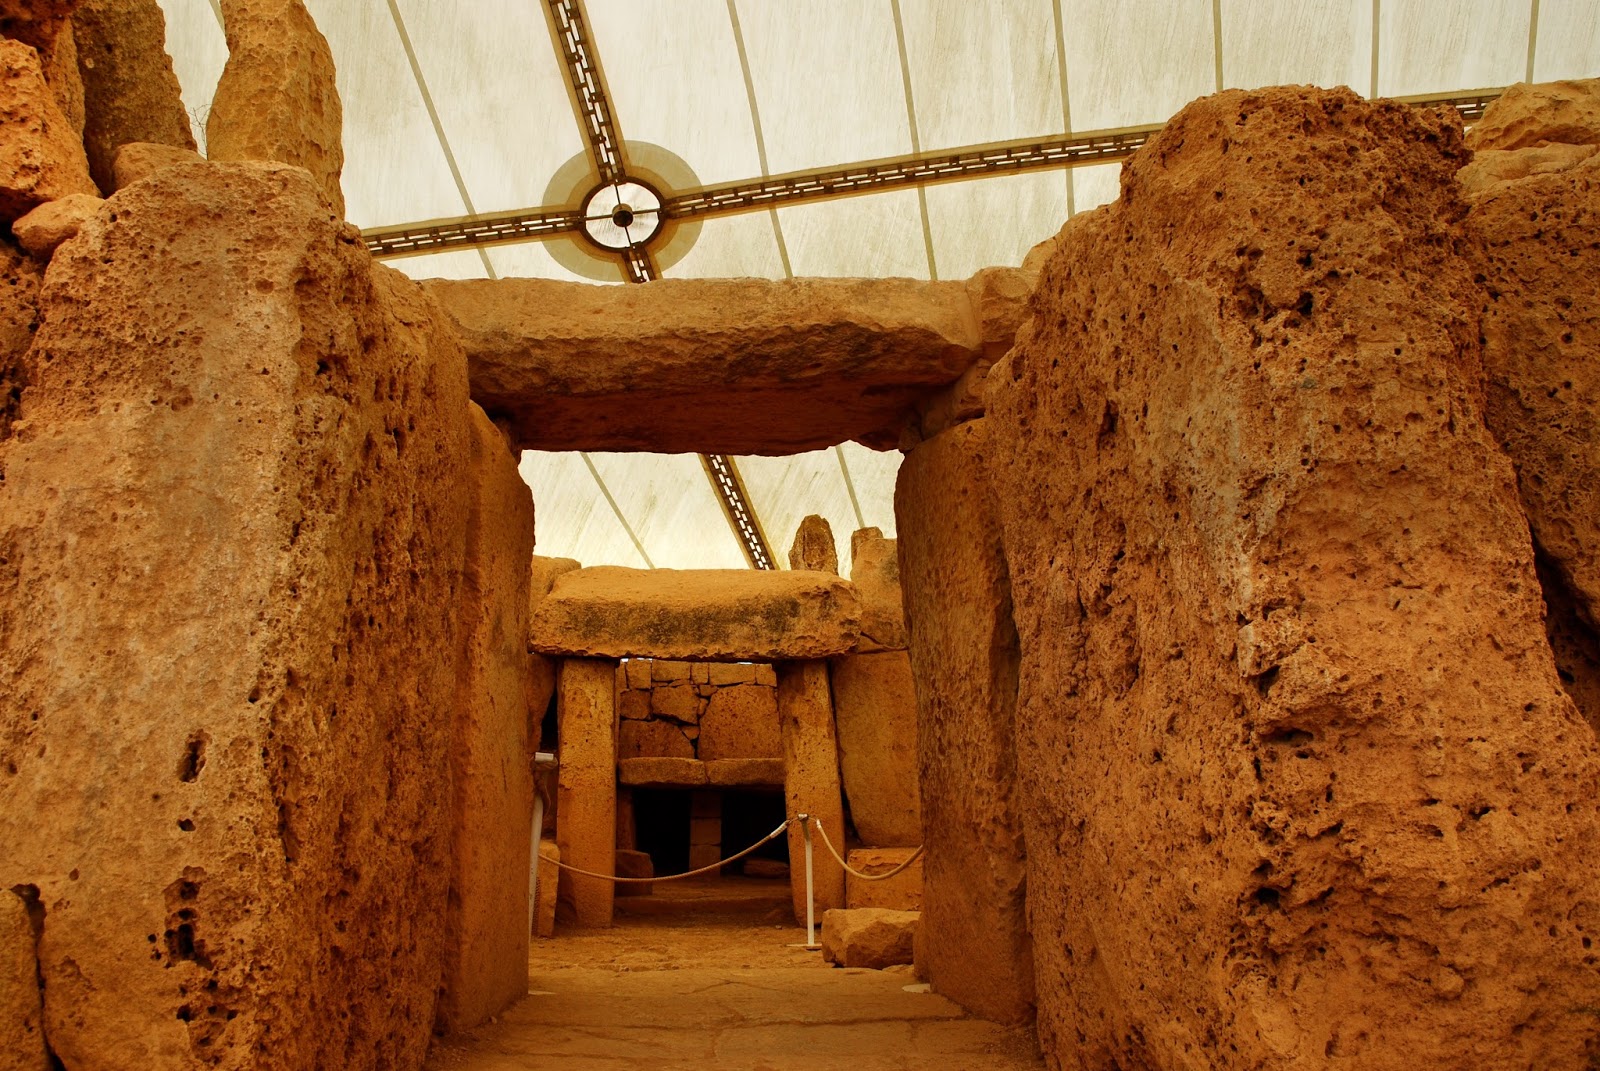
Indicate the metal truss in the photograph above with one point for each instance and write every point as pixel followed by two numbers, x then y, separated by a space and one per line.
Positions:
pixel 1075 150
pixel 735 503
pixel 592 104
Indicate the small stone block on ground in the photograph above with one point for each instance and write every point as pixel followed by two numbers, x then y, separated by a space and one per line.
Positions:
pixel 903 892
pixel 544 906
pixel 872 937
pixel 634 864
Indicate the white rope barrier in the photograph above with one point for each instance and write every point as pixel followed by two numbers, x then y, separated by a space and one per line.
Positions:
pixel 688 874
pixel 852 870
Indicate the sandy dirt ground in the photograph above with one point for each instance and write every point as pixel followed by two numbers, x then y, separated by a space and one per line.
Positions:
pixel 723 992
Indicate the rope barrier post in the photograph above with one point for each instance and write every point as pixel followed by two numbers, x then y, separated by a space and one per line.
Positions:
pixel 540 758
pixel 811 900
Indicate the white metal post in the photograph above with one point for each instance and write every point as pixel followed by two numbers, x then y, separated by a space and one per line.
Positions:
pixel 811 900
pixel 533 857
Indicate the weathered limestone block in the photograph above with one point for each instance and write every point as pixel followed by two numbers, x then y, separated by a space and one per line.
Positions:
pixel 44 228
pixel 813 546
pixel 544 904
pixel 975 948
pixel 277 99
pixel 726 615
pixel 1000 303
pixel 129 91
pixel 1537 242
pixel 653 739
pixel 635 865
pixel 903 892
pixel 741 722
pixel 811 778
pixel 41 156
pixel 875 571
pixel 542 572
pixel 676 702
pixel 19 318
pixel 674 772
pixel 722 674
pixel 788 365
pixel 669 671
pixel 60 61
pixel 1542 113
pixel 734 773
pixel 875 707
pixel 22 1046
pixel 871 937
pixel 486 950
pixel 35 22
pixel 139 160
pixel 231 516
pixel 1491 167
pixel 586 827
pixel 1300 783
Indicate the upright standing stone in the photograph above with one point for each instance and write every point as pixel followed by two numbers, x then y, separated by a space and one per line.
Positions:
pixel 813 546
pixel 586 804
pixel 129 91
pixel 875 571
pixel 41 155
pixel 974 947
pixel 875 710
pixel 233 529
pixel 277 99
pixel 1300 783
pixel 21 1022
pixel 486 952
pixel 811 780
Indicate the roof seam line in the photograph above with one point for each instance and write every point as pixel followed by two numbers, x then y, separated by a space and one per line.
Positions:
pixel 755 125
pixel 916 137
pixel 1216 40
pixel 1066 96
pixel 616 509
pixel 438 125
pixel 850 486
pixel 1533 37
pixel 1376 15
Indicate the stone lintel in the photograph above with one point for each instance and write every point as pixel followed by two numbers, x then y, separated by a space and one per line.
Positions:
pixel 697 773
pixel 729 366
pixel 704 615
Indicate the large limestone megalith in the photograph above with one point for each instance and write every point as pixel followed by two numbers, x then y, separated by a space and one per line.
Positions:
pixel 1300 783
pixel 231 547
pixel 973 945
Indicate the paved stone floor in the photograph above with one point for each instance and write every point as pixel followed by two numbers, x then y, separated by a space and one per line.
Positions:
pixel 724 993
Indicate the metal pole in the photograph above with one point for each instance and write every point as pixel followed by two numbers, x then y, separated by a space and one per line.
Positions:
pixel 533 858
pixel 811 900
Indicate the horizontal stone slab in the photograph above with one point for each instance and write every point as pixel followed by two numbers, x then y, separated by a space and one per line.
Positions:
pixel 732 366
pixel 695 773
pixel 703 615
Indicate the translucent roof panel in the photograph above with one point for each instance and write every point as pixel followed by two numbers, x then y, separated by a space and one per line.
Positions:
pixel 872 473
pixel 573 514
pixel 699 109
pixel 877 235
pixel 742 245
pixel 454 264
pixel 199 52
pixel 1311 42
pixel 827 81
pixel 982 72
pixel 1433 46
pixel 500 93
pixel 387 131
pixel 784 490
pixel 1096 185
pixel 1568 44
pixel 671 509
pixel 993 221
pixel 1131 62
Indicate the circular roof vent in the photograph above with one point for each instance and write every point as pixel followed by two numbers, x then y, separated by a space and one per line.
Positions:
pixel 622 214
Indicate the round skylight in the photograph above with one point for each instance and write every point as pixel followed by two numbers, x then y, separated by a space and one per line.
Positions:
pixel 618 215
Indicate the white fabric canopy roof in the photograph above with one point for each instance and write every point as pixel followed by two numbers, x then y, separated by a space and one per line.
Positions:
pixel 457 107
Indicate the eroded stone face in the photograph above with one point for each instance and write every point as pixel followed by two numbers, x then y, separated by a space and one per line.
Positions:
pixel 41 155
pixel 277 99
pixel 231 523
pixel 1538 241
pixel 875 571
pixel 1293 752
pixel 975 948
pixel 129 91
pixel 21 1035
pixel 788 366
pixel 1542 113
pixel 814 547
pixel 875 709
pixel 711 615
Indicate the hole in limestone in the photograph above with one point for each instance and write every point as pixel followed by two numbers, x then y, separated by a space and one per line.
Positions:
pixel 194 757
